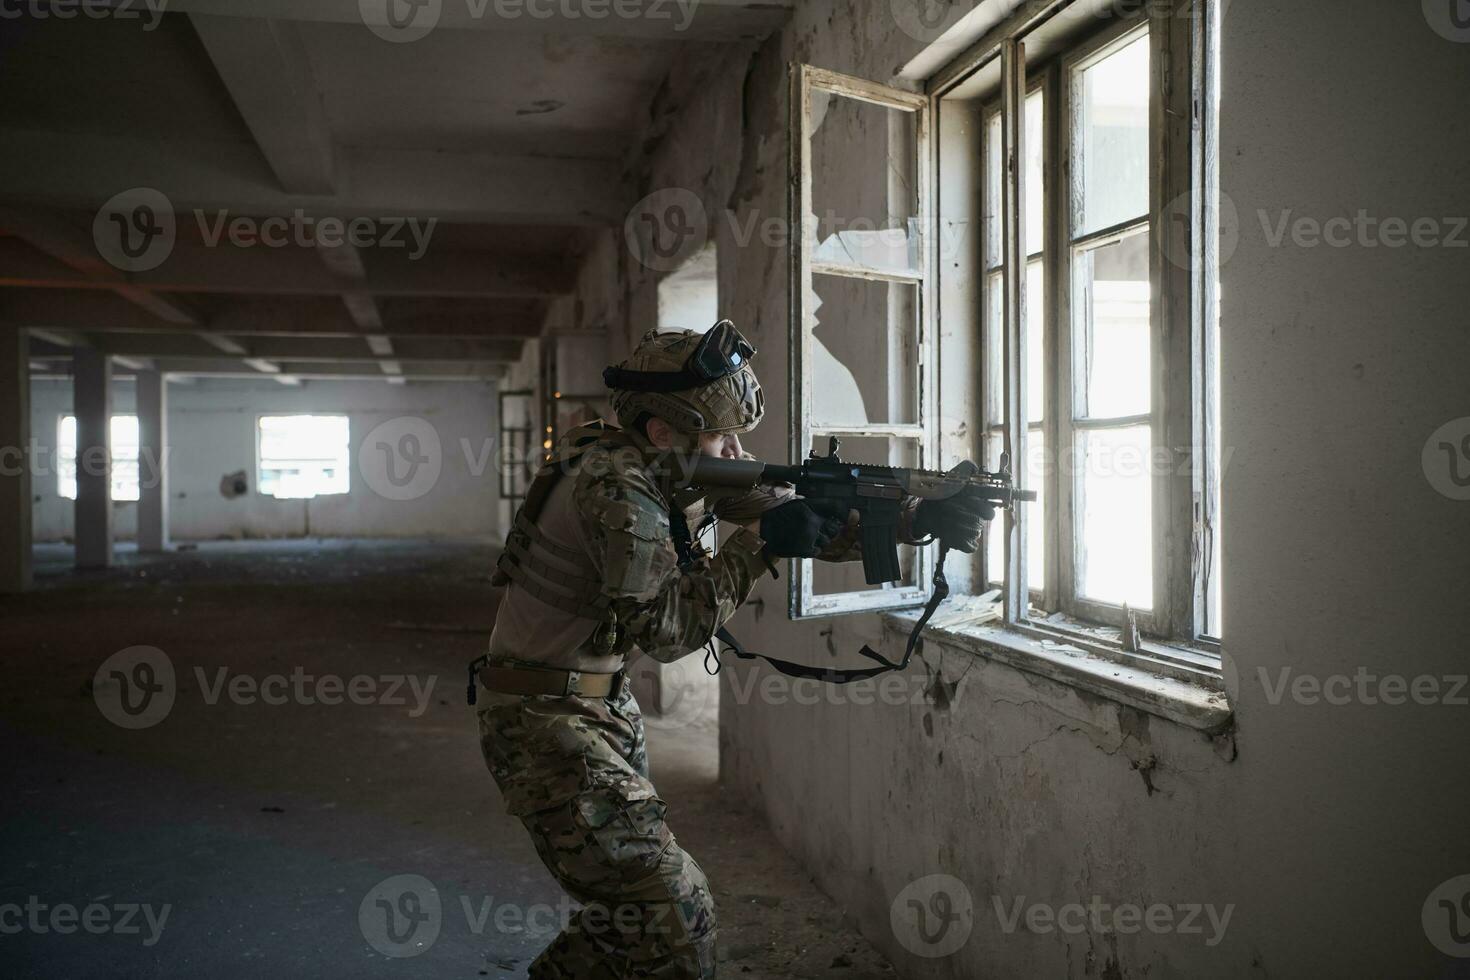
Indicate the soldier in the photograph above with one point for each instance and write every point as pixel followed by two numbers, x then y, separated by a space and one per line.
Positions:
pixel 599 569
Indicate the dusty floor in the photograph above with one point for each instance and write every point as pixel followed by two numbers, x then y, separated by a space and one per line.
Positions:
pixel 261 830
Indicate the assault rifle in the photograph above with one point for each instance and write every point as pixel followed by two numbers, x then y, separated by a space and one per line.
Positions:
pixel 875 492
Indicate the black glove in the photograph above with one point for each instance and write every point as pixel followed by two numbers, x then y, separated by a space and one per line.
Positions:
pixel 802 528
pixel 955 521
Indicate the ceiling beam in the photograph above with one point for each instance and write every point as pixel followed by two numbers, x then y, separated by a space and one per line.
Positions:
pixel 272 350
pixel 286 316
pixel 54 235
pixel 265 67
pixel 194 266
pixel 85 170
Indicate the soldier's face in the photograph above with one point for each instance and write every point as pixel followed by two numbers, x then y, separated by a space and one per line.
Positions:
pixel 723 444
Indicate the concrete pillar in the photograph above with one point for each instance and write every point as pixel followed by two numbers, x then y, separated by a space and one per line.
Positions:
pixel 92 402
pixel 152 408
pixel 15 461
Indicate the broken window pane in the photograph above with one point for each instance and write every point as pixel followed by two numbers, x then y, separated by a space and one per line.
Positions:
pixel 1111 140
pixel 864 163
pixel 864 353
pixel 1114 514
pixel 1111 305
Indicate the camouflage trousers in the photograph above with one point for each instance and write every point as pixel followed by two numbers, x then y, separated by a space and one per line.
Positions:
pixel 575 771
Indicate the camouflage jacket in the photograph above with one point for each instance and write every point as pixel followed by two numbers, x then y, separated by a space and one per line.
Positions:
pixel 611 509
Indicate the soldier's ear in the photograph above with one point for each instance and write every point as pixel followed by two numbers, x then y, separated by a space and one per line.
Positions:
pixel 659 432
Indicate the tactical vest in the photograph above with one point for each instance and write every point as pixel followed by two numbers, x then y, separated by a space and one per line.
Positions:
pixel 527 547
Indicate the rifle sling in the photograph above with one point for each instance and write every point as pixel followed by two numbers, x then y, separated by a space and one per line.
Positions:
pixel 845 676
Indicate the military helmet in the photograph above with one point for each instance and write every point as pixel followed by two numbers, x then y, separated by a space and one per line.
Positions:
pixel 695 382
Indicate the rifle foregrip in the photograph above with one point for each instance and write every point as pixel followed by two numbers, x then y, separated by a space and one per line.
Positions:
pixel 880 553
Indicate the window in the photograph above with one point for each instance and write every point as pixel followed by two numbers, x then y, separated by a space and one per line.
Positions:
pixel 1078 148
pixel 302 455
pixel 124 436
pixel 1115 331
pixel 861 310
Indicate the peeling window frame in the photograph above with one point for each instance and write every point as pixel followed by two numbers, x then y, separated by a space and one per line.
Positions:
pixel 804 602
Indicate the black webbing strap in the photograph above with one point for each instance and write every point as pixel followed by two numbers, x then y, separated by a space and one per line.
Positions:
pixel 848 675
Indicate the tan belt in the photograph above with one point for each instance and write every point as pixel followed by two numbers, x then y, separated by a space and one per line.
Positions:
pixel 529 681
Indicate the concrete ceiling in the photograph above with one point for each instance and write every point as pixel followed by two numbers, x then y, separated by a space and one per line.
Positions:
pixel 486 152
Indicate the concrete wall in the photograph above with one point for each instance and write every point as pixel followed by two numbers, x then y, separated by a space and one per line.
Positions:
pixel 1329 829
pixel 212 431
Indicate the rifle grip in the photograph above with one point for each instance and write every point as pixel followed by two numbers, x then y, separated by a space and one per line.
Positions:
pixel 880 553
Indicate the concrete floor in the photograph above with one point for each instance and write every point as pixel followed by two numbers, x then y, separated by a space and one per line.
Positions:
pixel 262 828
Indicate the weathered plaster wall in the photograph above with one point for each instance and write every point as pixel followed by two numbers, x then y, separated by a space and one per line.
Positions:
pixel 1331 827
pixel 212 431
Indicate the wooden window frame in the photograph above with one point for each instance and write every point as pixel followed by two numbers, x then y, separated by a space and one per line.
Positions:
pixel 804 602
pixel 1182 176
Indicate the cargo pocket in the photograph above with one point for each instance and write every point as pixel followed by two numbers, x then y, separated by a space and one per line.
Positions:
pixel 630 835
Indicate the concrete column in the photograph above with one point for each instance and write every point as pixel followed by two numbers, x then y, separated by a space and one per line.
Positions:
pixel 92 402
pixel 152 408
pixel 15 462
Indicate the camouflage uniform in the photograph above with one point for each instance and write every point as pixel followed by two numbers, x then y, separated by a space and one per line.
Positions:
pixel 575 769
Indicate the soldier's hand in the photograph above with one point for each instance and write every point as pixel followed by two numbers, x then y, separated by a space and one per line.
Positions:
pixel 802 528
pixel 955 521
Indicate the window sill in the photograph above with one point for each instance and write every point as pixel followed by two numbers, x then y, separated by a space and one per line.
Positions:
pixel 967 623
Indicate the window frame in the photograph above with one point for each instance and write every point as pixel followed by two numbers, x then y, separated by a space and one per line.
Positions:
pixel 804 603
pixel 1182 177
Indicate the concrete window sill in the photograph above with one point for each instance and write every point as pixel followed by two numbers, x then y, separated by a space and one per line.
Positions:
pixel 968 625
